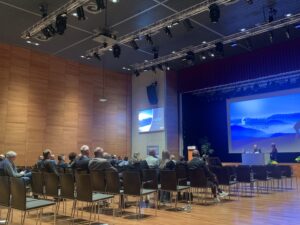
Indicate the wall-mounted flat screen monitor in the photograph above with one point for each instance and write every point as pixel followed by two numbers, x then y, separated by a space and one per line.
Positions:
pixel 151 120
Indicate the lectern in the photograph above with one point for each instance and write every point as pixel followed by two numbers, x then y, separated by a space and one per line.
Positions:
pixel 255 159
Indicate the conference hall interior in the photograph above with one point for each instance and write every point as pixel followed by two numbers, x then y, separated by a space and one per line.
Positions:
pixel 127 112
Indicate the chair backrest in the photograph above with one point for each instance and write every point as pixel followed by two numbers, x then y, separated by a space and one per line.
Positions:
pixel 151 177
pixel 132 183
pixel 222 174
pixel 182 173
pixel 37 183
pixel 113 185
pixel 275 171
pixel 98 181
pixel 168 180
pixel 18 193
pixel 260 172
pixel 286 170
pixel 214 161
pixel 2 173
pixel 51 184
pixel 243 174
pixel 67 186
pixel 4 191
pixel 197 178
pixel 84 188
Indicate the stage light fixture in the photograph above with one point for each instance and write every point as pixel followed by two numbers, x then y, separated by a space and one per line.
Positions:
pixel 97 56
pixel 168 32
pixel 220 48
pixel 61 23
pixel 287 33
pixel 272 14
pixel 159 66
pixel 149 39
pixel 249 44
pixel 214 13
pixel 190 57
pixel 211 54
pixel 271 36
pixel 203 56
pixel 134 45
pixel 116 51
pixel 136 73
pixel 188 24
pixel 234 44
pixel 80 13
pixel 153 68
pixel 155 51
pixel 100 4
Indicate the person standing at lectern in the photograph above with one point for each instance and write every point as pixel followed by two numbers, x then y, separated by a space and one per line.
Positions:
pixel 274 152
pixel 256 150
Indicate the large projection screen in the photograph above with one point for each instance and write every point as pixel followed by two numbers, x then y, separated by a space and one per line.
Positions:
pixel 264 119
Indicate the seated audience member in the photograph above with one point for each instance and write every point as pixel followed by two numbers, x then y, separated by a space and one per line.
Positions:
pixel 100 151
pixel 10 169
pixel 152 160
pixel 137 164
pixel 100 162
pixel 61 163
pixel 52 157
pixel 123 162
pixel 48 165
pixel 2 157
pixel 166 162
pixel 72 158
pixel 82 162
pixel 173 158
pixel 197 163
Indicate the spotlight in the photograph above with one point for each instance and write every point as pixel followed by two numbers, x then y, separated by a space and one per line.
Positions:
pixel 271 36
pixel 27 35
pixel 168 31
pixel 136 73
pixel 88 57
pixel 61 23
pixel 214 13
pixel 287 33
pixel 46 32
pixel 249 44
pixel 211 54
pixel 220 48
pixel 44 10
pixel 97 56
pixel 153 69
pixel 149 39
pixel 159 66
pixel 190 57
pixel 116 51
pixel 80 13
pixel 100 4
pixel 134 45
pixel 233 44
pixel 203 56
pixel 188 24
pixel 272 14
pixel 250 2
pixel 155 52
pixel 175 23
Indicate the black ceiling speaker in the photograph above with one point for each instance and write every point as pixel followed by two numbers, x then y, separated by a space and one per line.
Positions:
pixel 214 13
pixel 152 93
pixel 116 51
pixel 61 23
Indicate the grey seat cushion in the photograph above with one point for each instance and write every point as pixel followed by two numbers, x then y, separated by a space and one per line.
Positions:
pixel 99 197
pixel 38 204
pixel 147 191
pixel 180 188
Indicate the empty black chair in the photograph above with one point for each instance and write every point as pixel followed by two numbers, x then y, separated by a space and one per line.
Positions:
pixel 38 184
pixel 150 179
pixel 20 202
pixel 98 181
pixel 5 195
pixel 182 173
pixel 261 174
pixel 85 193
pixel 68 190
pixel 170 183
pixel 114 187
pixel 287 173
pixel 134 187
pixel 277 175
pixel 244 175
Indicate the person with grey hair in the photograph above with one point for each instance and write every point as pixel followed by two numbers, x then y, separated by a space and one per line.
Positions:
pixel 2 157
pixel 101 161
pixel 152 160
pixel 10 169
pixel 82 162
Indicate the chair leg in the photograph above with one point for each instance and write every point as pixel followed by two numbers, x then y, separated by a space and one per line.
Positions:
pixel 23 216
pixel 8 216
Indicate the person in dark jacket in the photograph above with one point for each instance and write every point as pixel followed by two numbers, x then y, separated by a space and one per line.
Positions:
pixel 198 163
pixel 82 162
pixel 61 163
pixel 47 164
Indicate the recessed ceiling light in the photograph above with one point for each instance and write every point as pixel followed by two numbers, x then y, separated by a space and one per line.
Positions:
pixel 145 70
pixel 243 29
pixel 103 99
pixel 204 42
pixel 75 14
pixel 173 52
pixel 168 68
pixel 146 60
pixel 82 56
pixel 297 26
pixel 124 68
pixel 36 44
pixel 29 42
pixel 128 69
pixel 288 14
pixel 110 49
pixel 233 44
pixel 114 1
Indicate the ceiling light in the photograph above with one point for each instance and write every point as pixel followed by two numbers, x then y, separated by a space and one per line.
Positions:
pixel 168 68
pixel 128 69
pixel 203 56
pixel 297 26
pixel 82 56
pixel 36 44
pixel 204 42
pixel 28 42
pixel 173 52
pixel 124 68
pixel 288 15
pixel 103 99
pixel 233 44
pixel 214 13
pixel 88 57
pixel 211 54
pixel 243 30
pixel 146 60
pixel 75 14
pixel 145 70
pixel 175 23
pixel 110 49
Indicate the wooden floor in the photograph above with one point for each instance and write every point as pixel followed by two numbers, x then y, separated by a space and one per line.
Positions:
pixel 277 208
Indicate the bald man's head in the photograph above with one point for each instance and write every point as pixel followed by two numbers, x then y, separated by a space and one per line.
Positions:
pixel 196 153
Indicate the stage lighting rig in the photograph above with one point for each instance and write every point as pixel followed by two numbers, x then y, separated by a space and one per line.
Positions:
pixel 214 13
pixel 134 45
pixel 149 39
pixel 220 48
pixel 190 58
pixel 168 32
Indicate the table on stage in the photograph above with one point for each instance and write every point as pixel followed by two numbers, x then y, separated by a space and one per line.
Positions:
pixel 255 159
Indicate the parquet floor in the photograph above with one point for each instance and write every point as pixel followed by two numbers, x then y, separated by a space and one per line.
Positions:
pixel 277 208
